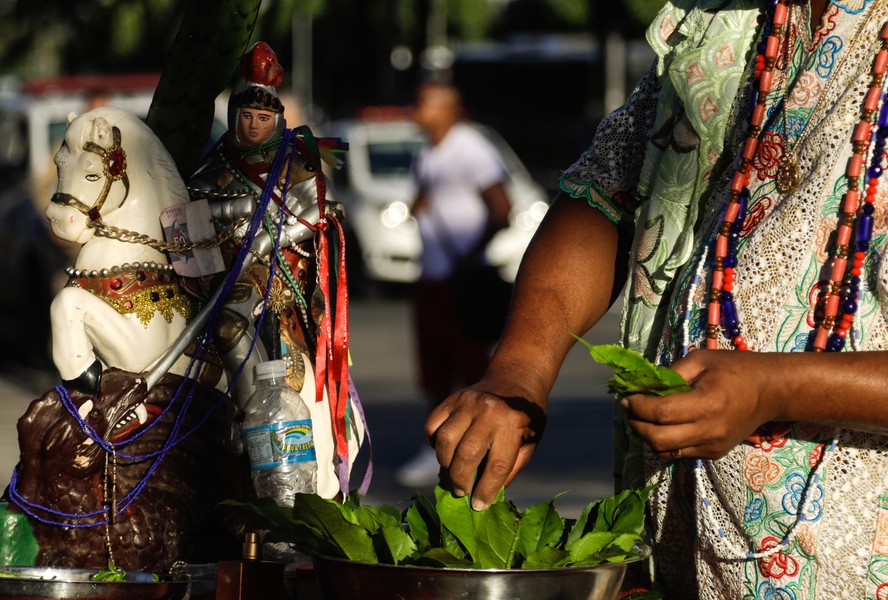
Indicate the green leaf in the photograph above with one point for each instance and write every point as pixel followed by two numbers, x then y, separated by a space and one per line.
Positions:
pixel 458 517
pixel 589 546
pixel 541 526
pixel 625 511
pixel 18 546
pixel 265 513
pixel 497 536
pixel 451 544
pixel 449 533
pixel 112 574
pixel 620 548
pixel 633 373
pixel 546 558
pixel 371 518
pixel 399 543
pixel 578 527
pixel 439 557
pixel 622 513
pixel 420 527
pixel 624 545
pixel 325 516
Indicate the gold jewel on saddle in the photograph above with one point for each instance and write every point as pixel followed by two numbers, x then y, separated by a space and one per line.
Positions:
pixel 140 289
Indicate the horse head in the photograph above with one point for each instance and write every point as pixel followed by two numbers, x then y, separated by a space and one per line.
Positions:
pixel 111 169
pixel 115 178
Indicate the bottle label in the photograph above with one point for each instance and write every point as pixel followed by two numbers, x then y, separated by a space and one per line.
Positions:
pixel 270 446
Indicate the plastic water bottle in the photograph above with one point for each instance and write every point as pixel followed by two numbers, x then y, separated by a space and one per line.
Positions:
pixel 278 437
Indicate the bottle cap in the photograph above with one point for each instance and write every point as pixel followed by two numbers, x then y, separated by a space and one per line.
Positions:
pixel 271 369
pixel 250 549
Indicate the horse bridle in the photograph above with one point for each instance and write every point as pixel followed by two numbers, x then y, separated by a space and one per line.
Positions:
pixel 114 169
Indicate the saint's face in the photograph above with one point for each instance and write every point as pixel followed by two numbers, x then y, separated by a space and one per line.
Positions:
pixel 254 126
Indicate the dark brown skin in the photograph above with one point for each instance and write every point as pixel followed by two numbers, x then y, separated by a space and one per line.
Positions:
pixel 565 285
pixel 500 419
pixel 492 428
pixel 495 424
pixel 818 7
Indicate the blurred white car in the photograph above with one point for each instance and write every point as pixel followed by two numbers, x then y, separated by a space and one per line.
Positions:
pixel 33 118
pixel 376 188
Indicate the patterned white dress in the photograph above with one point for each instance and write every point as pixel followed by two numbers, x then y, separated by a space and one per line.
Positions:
pixel 664 161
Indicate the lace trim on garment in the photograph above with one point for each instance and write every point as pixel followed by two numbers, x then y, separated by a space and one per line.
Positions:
pixel 590 192
pixel 606 175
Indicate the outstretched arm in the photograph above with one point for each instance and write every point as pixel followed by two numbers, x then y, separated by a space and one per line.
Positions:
pixel 566 282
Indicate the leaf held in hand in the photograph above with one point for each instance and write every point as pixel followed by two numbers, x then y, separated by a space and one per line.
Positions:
pixel 634 374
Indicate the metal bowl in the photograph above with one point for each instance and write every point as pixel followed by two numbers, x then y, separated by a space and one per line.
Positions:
pixel 341 579
pixel 26 583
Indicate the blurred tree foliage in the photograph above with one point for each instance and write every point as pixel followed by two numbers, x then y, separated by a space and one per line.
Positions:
pixel 643 11
pixel 352 39
pixel 64 36
pixel 52 36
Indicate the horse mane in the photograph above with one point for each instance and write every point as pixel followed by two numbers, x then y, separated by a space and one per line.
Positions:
pixel 158 166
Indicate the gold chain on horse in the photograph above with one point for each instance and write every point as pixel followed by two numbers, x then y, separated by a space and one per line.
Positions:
pixel 133 237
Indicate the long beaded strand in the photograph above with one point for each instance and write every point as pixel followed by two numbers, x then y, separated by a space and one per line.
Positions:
pixel 721 302
pixel 831 333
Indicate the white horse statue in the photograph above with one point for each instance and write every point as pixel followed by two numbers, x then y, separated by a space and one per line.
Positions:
pixel 122 306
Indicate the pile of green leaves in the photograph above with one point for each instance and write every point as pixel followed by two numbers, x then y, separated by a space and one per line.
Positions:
pixel 116 574
pixel 634 374
pixel 113 573
pixel 449 533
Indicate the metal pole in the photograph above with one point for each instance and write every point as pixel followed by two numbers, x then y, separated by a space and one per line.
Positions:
pixel 303 75
pixel 615 57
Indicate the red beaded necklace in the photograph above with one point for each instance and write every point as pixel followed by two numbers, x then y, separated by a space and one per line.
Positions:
pixel 841 291
pixel 721 310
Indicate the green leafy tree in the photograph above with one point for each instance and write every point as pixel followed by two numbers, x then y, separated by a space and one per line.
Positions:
pixel 576 12
pixel 64 36
pixel 644 11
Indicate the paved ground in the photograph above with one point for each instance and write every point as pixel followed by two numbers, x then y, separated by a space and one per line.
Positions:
pixel 574 456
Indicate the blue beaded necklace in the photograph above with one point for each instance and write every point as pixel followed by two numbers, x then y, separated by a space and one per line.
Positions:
pixel 838 303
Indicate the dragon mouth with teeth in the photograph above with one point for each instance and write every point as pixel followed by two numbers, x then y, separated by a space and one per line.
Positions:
pixel 133 420
pixel 123 420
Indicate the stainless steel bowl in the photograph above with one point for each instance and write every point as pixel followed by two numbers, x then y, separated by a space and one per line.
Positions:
pixel 341 579
pixel 43 582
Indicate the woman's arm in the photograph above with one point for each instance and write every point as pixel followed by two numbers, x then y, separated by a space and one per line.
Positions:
pixel 566 282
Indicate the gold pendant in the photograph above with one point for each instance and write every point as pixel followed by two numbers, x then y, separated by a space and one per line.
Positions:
pixel 788 174
pixel 280 296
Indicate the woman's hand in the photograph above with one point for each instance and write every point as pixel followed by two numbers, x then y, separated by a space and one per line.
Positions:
pixel 484 435
pixel 734 393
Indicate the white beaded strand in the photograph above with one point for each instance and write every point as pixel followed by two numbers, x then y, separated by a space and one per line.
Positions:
pixel 790 534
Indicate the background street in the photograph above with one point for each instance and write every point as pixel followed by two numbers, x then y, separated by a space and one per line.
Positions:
pixel 575 454
pixel 574 457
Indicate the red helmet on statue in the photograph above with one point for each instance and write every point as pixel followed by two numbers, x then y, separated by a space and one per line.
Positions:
pixel 256 93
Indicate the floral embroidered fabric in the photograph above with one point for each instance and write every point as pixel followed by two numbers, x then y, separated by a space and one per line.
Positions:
pixel 700 88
